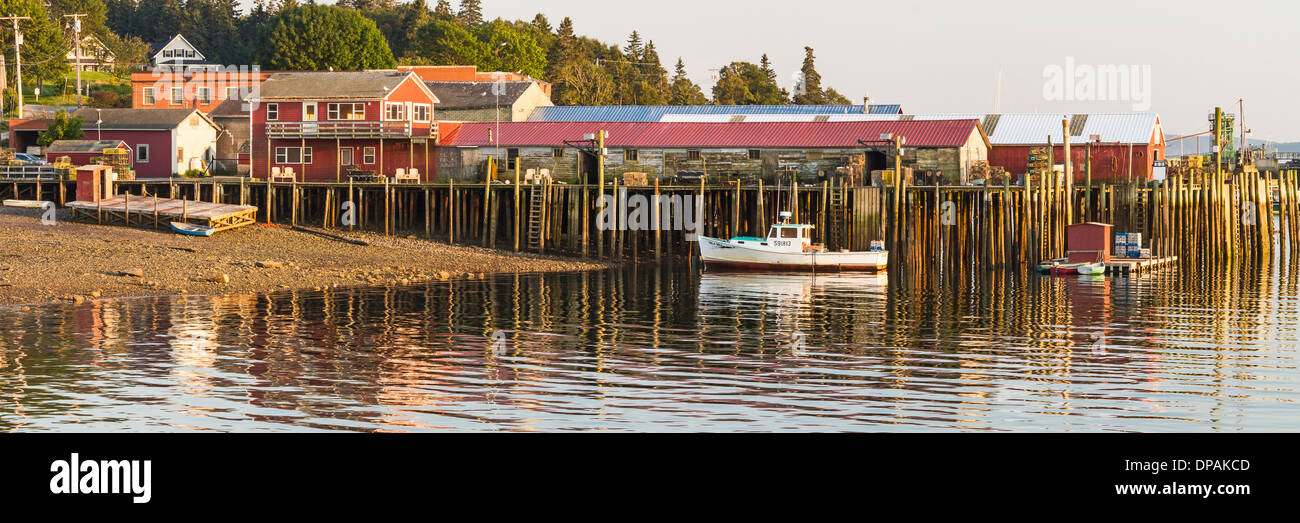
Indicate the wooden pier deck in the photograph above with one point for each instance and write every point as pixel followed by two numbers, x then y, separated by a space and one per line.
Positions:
pixel 143 210
pixel 1139 266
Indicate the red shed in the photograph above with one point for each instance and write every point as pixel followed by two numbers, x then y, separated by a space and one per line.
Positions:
pixel 81 152
pixel 1088 242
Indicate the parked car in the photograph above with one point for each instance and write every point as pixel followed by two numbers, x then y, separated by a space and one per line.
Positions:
pixel 30 159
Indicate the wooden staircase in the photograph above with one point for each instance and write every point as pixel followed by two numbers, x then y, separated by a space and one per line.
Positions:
pixel 536 218
pixel 835 218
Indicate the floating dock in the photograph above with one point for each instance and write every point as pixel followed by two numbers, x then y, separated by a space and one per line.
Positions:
pixel 1139 265
pixel 128 210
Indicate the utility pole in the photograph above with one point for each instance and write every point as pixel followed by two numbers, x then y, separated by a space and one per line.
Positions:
pixel 18 57
pixel 76 30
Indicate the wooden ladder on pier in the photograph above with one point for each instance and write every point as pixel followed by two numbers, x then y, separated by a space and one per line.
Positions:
pixel 835 218
pixel 536 218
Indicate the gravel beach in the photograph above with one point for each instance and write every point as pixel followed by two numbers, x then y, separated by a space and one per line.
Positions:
pixel 76 261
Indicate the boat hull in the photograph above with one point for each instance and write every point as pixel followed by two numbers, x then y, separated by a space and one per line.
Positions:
pixel 724 255
pixel 189 229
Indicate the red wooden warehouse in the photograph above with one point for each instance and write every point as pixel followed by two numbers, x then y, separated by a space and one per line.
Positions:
pixel 323 126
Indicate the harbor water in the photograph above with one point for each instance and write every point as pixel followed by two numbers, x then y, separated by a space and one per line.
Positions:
pixel 670 348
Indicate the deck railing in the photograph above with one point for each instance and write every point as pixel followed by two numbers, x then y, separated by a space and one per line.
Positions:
pixel 345 129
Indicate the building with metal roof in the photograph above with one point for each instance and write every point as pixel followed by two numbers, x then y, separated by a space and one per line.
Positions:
pixel 655 113
pixel 1002 128
pixel 946 149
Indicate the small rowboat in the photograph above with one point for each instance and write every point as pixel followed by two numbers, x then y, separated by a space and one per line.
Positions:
pixel 1063 266
pixel 190 229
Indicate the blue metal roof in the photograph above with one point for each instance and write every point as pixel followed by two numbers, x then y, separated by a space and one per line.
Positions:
pixel 654 113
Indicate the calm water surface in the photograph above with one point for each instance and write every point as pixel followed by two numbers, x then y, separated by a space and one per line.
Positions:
pixel 669 349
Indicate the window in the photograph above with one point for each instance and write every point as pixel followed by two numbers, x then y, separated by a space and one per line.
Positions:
pixel 630 155
pixel 142 153
pixel 149 97
pixel 178 95
pixel 205 94
pixel 423 112
pixel 180 154
pixel 369 155
pixel 294 155
pixel 789 232
pixel 232 93
pixel 557 152
pixel 512 157
pixel 345 156
pixel 272 111
pixel 346 111
pixel 394 111
pixel 692 155
pixel 755 154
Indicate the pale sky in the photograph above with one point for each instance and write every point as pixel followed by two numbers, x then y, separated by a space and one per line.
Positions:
pixel 944 55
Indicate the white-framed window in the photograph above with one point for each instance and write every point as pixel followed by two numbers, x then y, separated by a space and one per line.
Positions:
pixel 368 156
pixel 293 155
pixel 204 94
pixel 142 153
pixel 149 97
pixel 346 111
pixel 394 111
pixel 422 112
pixel 345 156
pixel 272 111
pixel 232 93
pixel 178 96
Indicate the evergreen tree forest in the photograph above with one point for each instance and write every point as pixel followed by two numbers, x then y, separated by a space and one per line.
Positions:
pixel 369 34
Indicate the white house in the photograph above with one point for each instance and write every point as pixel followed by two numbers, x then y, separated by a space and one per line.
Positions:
pixel 179 53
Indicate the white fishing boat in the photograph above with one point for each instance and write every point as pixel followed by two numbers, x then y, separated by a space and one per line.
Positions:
pixel 788 247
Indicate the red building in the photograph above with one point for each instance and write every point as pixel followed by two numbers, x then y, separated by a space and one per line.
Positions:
pixel 163 142
pixel 197 89
pixel 325 125
pixel 1124 147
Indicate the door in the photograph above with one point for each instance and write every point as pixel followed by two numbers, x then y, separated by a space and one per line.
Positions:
pixel 309 116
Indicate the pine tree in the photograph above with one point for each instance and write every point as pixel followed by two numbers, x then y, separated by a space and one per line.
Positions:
pixel 654 74
pixel 541 22
pixel 635 50
pixel 683 90
pixel 443 10
pixel 809 90
pixel 767 68
pixel 471 12
pixel 563 52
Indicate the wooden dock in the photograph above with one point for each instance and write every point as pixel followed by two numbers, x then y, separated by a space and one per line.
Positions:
pixel 1139 265
pixel 127 209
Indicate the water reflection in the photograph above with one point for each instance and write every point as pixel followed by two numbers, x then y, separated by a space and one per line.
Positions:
pixel 664 348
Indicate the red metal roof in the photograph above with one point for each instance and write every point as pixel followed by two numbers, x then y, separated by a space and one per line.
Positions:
pixel 925 133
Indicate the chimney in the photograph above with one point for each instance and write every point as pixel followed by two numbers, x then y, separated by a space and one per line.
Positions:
pixel 866 104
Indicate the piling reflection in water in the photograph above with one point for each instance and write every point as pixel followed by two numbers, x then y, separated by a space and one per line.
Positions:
pixel 665 348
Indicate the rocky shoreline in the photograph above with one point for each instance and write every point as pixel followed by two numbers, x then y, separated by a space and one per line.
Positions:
pixel 74 261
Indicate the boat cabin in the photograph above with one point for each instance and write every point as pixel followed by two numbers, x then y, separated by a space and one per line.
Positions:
pixel 783 237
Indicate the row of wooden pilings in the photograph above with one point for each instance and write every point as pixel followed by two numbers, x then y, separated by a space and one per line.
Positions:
pixel 1205 217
